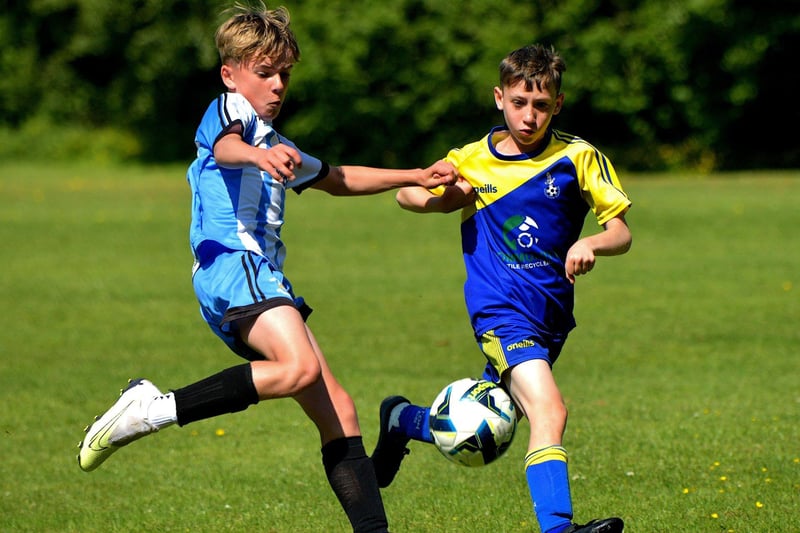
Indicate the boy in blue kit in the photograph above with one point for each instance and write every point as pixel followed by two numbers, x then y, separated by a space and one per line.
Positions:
pixel 524 191
pixel 239 182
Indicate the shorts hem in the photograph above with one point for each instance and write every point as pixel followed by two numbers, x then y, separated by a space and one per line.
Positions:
pixel 237 313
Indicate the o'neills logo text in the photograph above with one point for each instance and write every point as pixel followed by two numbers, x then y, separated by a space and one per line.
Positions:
pixel 527 343
pixel 486 189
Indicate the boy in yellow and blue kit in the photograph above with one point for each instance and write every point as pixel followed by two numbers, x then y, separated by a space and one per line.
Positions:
pixel 524 192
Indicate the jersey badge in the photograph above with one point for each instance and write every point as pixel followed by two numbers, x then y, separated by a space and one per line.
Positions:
pixel 551 190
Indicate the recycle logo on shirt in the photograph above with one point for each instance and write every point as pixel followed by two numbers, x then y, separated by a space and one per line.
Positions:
pixel 517 232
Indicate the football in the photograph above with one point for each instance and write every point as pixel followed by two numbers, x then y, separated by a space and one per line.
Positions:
pixel 473 421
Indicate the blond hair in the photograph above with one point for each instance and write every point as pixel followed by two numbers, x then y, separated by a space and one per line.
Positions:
pixel 255 32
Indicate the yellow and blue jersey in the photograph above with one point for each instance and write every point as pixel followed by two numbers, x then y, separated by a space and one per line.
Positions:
pixel 529 210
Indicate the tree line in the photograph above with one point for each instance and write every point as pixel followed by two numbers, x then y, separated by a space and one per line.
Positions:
pixel 656 84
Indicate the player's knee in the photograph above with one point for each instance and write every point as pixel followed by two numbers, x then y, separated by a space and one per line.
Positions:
pixel 300 376
pixel 553 411
pixel 558 411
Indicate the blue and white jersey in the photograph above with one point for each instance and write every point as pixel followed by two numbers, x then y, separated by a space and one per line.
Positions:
pixel 240 208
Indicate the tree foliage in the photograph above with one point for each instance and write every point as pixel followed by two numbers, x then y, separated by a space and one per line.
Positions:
pixel 654 83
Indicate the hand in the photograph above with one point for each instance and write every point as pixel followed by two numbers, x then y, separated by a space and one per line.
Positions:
pixel 280 162
pixel 439 173
pixel 580 260
pixel 615 239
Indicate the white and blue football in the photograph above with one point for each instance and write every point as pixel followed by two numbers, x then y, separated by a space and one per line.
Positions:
pixel 473 421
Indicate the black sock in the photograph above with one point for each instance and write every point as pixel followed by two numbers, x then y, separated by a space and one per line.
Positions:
pixel 229 391
pixel 352 478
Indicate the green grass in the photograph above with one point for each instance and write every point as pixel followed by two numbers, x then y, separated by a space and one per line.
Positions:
pixel 681 378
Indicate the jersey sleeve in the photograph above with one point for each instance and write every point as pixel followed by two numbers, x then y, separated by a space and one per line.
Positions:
pixel 233 110
pixel 601 187
pixel 311 171
pixel 227 111
pixel 455 157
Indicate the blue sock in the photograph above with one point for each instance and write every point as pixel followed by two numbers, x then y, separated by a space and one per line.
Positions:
pixel 415 424
pixel 548 482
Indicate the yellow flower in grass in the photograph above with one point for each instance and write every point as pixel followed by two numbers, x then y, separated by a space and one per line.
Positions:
pixel 219 432
pixel 714 516
pixel 759 505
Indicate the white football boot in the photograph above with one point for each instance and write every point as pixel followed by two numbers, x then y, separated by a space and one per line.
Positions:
pixel 125 422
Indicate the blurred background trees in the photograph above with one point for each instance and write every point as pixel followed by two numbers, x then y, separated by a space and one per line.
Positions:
pixel 656 84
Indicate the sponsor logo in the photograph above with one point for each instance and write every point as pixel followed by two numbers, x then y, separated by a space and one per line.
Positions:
pixel 526 343
pixel 486 189
pixel 518 232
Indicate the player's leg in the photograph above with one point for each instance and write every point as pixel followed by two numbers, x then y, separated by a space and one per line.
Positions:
pixel 240 295
pixel 327 403
pixel 534 390
pixel 246 303
pixel 349 470
pixel 400 421
pixel 142 409
pixel 290 362
pixel 294 367
pixel 285 364
pixel 519 357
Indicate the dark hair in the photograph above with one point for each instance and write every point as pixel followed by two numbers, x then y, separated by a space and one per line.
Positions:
pixel 533 64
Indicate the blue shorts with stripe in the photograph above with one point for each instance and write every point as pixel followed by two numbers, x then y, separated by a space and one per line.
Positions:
pixel 240 284
pixel 512 343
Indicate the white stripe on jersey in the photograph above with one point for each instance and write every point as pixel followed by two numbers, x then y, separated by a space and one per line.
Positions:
pixel 241 209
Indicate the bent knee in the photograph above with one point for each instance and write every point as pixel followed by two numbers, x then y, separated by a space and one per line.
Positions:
pixel 285 379
pixel 299 377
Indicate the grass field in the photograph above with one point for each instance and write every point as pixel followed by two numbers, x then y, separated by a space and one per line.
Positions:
pixel 681 378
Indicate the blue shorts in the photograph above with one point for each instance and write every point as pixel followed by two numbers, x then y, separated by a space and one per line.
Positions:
pixel 236 285
pixel 511 344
